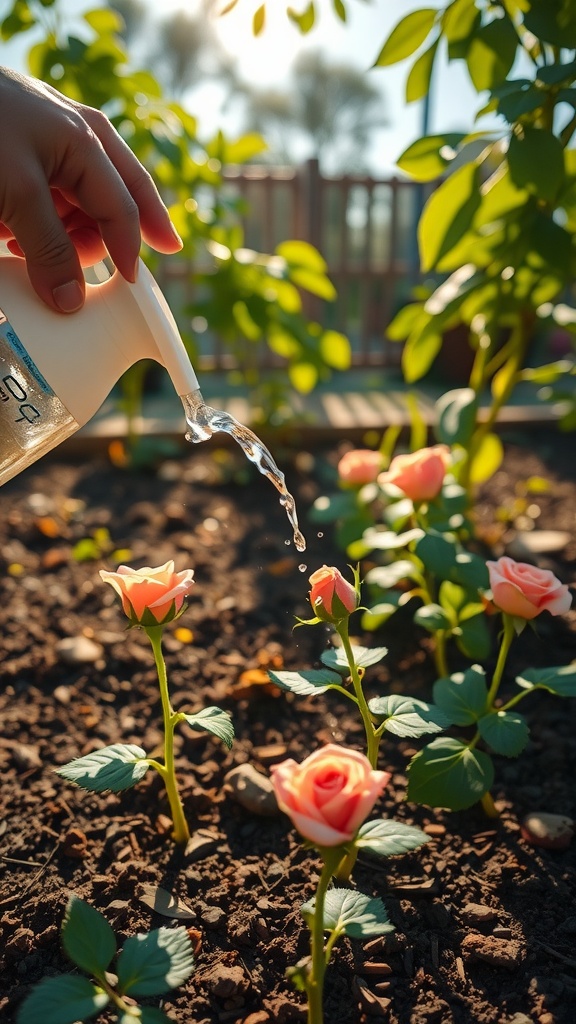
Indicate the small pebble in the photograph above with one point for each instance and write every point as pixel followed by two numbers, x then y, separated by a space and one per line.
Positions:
pixel 477 913
pixel 498 952
pixel 213 916
pixel 75 844
pixel 501 932
pixel 551 831
pixel 252 790
pixel 78 650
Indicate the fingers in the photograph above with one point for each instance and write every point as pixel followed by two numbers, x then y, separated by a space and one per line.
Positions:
pixel 39 233
pixel 156 226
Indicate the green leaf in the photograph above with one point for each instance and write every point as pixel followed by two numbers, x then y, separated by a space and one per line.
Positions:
pixel 553 74
pixel 387 576
pixel 418 81
pixel 303 377
pixel 103 21
pixel 560 679
pixel 406 36
pixel 317 284
pixel 379 613
pixel 329 508
pixel 487 459
pixel 215 721
pixel 448 214
pixel 259 20
pixel 428 158
pixel 389 838
pixel 456 413
pixel 458 20
pixel 446 773
pixel 474 638
pixel 445 558
pixel 536 162
pixel 351 913
pixel 406 716
pixel 305 20
pixel 462 696
pixel 363 657
pixel 152 964
pixel 339 9
pixel 302 254
pixel 553 22
pixel 87 937
pixel 420 352
pixel 405 321
pixel 505 731
pixel 432 617
pixel 306 683
pixel 112 768
pixel 64 1000
pixel 491 53
pixel 335 349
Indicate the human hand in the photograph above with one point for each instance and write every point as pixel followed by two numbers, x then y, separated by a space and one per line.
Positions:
pixel 71 192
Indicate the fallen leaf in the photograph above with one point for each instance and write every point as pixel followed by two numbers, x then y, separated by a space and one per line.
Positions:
pixel 164 902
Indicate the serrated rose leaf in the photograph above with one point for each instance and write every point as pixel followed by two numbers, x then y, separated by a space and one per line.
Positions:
pixel 215 721
pixel 351 913
pixel 62 1000
pixel 152 964
pixel 87 937
pixel 306 683
pixel 389 838
pixel 505 731
pixel 111 769
pixel 406 716
pixel 363 657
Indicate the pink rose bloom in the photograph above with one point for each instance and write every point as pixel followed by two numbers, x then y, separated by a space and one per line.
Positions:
pixel 360 466
pixel 150 596
pixel 331 595
pixel 328 795
pixel 420 474
pixel 524 590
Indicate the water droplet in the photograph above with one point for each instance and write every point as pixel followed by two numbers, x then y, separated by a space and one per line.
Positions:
pixel 319 534
pixel 287 543
pixel 302 567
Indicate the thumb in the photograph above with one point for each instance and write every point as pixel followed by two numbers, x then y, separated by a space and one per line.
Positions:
pixel 52 261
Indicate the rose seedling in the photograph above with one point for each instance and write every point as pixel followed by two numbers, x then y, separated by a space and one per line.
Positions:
pixel 148 965
pixel 151 598
pixel 450 772
pixel 328 797
pixel 334 600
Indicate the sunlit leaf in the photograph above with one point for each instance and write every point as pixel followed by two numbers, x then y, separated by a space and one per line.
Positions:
pixel 335 350
pixel 447 773
pixel 389 838
pixel 304 20
pixel 259 20
pixel 215 721
pixel 505 731
pixel 113 768
pixel 418 81
pixel 462 696
pixel 428 158
pixel 87 937
pixel 64 1000
pixel 406 36
pixel 487 459
pixel 313 681
pixel 336 658
pixel 448 214
pixel 407 716
pixel 152 964
pixel 536 162
pixel 347 912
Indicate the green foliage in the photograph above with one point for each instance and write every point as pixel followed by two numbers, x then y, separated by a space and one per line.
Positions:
pixel 212 720
pixel 111 769
pixel 387 838
pixel 448 773
pixel 149 964
pixel 351 913
pixel 407 716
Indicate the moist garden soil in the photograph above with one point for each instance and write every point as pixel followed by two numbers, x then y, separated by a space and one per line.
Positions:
pixel 74 680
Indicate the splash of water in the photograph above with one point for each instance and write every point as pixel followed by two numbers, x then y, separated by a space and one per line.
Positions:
pixel 204 421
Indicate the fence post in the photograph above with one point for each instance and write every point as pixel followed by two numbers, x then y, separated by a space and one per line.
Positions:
pixel 311 224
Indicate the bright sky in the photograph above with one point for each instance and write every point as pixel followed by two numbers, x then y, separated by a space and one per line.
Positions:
pixel 266 61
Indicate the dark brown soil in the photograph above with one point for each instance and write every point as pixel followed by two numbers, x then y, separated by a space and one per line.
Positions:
pixel 245 883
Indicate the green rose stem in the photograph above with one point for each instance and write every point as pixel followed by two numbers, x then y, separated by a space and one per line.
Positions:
pixel 372 736
pixel 507 638
pixel 320 955
pixel 181 832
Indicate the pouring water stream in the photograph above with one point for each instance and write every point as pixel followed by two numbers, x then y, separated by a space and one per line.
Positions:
pixel 204 421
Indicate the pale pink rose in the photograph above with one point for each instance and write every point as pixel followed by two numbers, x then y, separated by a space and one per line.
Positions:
pixel 360 466
pixel 524 590
pixel 331 594
pixel 329 795
pixel 419 474
pixel 150 596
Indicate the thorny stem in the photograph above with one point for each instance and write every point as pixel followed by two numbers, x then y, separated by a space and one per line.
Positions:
pixel 320 956
pixel 180 832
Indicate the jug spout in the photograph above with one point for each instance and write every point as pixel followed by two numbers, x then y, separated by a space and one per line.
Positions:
pixel 148 329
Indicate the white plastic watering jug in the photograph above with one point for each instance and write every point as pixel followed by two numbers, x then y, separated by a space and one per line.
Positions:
pixel 56 370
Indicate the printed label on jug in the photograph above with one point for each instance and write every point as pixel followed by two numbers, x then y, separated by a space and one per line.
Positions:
pixel 29 410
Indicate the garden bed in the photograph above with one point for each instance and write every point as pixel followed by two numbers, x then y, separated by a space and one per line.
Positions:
pixel 510 962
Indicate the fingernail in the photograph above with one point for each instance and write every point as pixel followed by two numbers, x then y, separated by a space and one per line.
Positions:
pixel 68 297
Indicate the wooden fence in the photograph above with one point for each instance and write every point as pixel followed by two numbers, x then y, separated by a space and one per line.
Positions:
pixel 365 229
